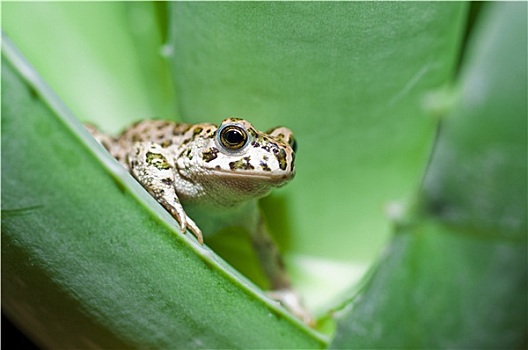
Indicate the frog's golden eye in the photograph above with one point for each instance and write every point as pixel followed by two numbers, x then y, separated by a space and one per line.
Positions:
pixel 233 137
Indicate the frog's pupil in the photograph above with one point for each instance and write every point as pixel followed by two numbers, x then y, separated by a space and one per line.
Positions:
pixel 234 137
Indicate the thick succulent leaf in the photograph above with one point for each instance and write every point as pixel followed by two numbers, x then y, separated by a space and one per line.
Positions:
pixel 89 259
pixel 455 274
pixel 354 81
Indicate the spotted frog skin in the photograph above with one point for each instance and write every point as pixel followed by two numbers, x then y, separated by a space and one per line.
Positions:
pixel 217 173
pixel 220 167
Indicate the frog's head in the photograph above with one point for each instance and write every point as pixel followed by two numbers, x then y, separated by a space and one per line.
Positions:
pixel 240 160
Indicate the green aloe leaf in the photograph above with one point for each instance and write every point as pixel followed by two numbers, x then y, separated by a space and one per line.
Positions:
pixel 90 260
pixel 455 274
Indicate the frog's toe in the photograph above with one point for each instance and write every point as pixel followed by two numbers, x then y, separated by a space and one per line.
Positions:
pixel 195 230
pixel 181 219
pixel 292 301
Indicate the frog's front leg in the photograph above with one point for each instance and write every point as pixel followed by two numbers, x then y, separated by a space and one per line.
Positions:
pixel 154 170
pixel 273 265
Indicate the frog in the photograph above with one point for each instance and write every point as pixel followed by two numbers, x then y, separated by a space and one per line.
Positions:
pixel 214 175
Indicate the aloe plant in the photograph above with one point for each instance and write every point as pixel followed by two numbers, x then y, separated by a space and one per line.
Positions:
pixel 380 96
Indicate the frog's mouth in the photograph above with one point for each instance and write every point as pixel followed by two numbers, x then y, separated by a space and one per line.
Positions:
pixel 252 176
